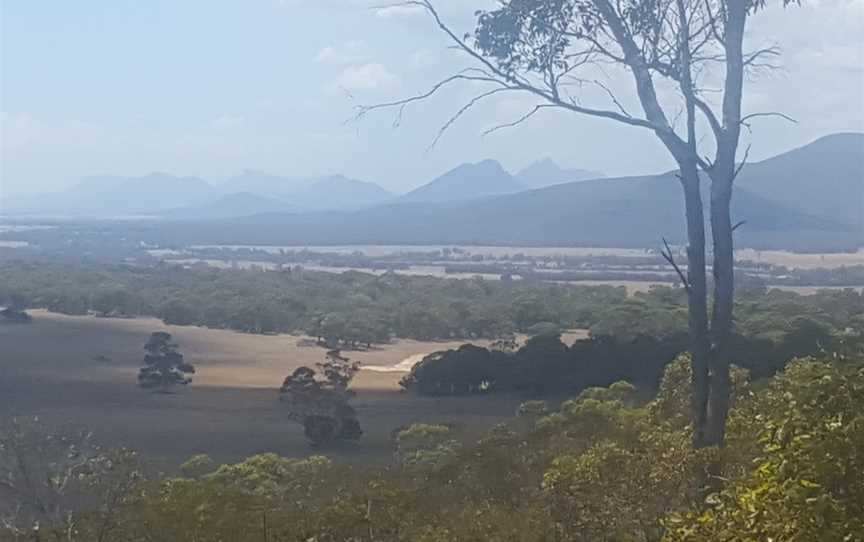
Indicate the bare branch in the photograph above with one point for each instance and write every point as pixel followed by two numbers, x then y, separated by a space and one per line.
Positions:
pixel 741 165
pixel 461 111
pixel 713 21
pixel 751 58
pixel 738 224
pixel 518 121
pixel 363 110
pixel 613 98
pixel 669 257
pixel 745 118
pixel 508 80
pixel 709 116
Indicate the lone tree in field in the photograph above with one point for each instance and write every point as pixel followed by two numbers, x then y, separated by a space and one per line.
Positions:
pixel 546 48
pixel 320 405
pixel 164 366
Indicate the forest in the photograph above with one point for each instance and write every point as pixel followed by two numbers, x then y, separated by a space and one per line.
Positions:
pixel 353 309
pixel 545 365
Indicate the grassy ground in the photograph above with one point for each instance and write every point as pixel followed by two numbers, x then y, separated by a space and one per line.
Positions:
pixel 81 371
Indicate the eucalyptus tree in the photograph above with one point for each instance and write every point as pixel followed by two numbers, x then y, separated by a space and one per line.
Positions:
pixel 164 366
pixel 673 52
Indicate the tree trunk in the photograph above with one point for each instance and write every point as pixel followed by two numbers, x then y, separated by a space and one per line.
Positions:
pixel 722 178
pixel 697 300
pixel 721 316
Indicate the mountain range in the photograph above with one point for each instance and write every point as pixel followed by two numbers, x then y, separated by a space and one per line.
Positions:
pixel 254 192
pixel 810 198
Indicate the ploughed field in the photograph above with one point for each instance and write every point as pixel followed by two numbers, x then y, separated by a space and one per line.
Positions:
pixel 81 371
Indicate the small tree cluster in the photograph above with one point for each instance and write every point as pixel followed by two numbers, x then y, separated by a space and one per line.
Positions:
pixel 320 404
pixel 164 366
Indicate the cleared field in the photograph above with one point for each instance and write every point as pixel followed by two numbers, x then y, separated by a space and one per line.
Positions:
pixel 82 371
pixel 777 257
pixel 387 250
pixel 803 261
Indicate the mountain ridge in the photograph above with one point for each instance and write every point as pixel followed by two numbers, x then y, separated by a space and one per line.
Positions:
pixel 466 181
pixel 545 172
pixel 624 211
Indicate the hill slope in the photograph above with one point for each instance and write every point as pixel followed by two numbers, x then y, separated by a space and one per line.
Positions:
pixel 824 178
pixel 339 192
pixel 114 196
pixel 230 206
pixel 330 192
pixel 262 184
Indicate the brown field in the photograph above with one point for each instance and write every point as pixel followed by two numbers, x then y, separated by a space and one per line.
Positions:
pixel 54 368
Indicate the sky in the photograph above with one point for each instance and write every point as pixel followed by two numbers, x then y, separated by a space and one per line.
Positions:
pixel 210 88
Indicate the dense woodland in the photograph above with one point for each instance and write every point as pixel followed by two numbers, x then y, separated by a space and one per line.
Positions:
pixel 356 308
pixel 544 365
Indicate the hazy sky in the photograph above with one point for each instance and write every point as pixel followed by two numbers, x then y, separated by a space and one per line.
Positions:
pixel 212 87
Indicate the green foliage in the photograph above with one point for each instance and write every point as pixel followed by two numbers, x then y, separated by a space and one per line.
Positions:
pixel 47 474
pixel 467 369
pixel 197 466
pixel 321 404
pixel 602 467
pixel 270 475
pixel 806 484
pixel 543 365
pixel 425 446
pixel 351 309
pixel 164 366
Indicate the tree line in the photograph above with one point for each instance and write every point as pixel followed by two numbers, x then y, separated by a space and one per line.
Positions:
pixel 545 365
pixel 355 309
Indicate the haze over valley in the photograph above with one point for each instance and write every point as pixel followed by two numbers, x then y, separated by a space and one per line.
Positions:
pixel 432 271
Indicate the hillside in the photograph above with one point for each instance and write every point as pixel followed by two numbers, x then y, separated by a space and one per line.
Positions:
pixel 163 194
pixel 115 196
pixel 230 205
pixel 262 184
pixel 466 181
pixel 824 178
pixel 339 192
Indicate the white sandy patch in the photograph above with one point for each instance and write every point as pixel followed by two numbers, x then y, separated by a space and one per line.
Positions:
pixel 403 366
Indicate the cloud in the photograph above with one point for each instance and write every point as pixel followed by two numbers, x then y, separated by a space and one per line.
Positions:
pixel 350 52
pixel 227 121
pixel 423 58
pixel 371 76
pixel 22 132
pixel 399 11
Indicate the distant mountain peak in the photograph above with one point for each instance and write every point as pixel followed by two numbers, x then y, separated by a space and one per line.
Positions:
pixel 467 181
pixel 546 172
